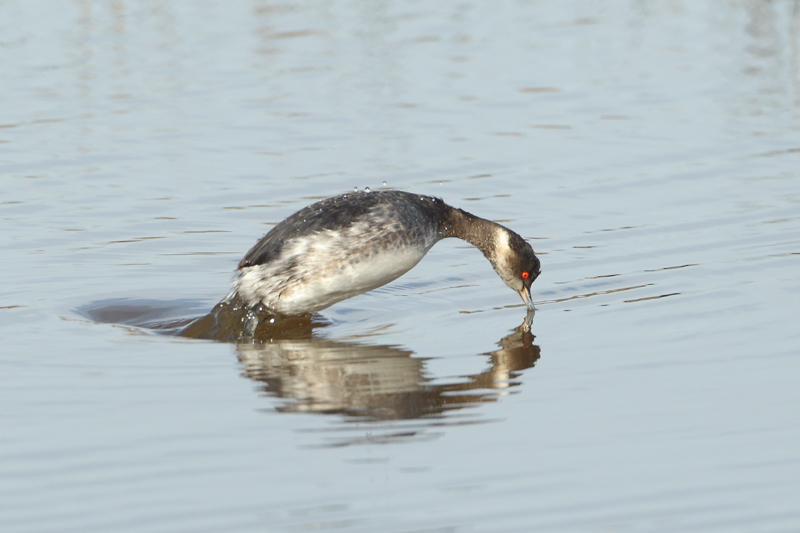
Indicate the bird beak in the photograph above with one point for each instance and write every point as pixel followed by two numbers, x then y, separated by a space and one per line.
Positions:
pixel 526 297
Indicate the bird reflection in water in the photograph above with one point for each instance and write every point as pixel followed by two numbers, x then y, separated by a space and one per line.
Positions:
pixel 372 382
pixel 314 374
pixel 376 382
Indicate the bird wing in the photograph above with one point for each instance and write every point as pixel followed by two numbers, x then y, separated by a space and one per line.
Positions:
pixel 332 213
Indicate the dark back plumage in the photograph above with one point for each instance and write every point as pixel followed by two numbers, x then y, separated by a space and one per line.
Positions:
pixel 339 213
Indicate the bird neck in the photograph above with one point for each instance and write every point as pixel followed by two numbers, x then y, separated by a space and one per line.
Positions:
pixel 479 232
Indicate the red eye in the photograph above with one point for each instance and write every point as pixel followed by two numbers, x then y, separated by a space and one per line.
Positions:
pixel 526 275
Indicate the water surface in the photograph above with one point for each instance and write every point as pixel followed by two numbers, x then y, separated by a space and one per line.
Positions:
pixel 650 152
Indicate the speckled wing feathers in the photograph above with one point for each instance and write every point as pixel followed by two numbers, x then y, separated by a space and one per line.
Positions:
pixel 337 213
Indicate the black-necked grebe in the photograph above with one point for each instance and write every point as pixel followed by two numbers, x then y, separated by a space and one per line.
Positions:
pixel 352 243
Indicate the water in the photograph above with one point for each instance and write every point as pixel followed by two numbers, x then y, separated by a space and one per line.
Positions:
pixel 649 151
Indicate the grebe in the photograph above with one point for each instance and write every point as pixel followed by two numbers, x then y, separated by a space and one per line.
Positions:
pixel 350 244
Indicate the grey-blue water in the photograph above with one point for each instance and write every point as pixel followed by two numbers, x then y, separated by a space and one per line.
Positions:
pixel 650 152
